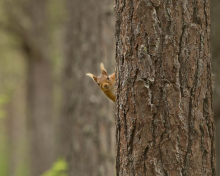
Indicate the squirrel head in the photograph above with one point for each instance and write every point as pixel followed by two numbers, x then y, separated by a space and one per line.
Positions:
pixel 104 81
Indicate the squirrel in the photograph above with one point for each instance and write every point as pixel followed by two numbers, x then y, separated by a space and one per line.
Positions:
pixel 106 83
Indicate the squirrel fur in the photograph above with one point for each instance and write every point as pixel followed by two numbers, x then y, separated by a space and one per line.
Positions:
pixel 105 82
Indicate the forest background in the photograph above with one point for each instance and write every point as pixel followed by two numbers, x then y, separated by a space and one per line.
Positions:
pixel 52 117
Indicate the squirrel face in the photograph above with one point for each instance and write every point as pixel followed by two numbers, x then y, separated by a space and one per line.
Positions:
pixel 106 83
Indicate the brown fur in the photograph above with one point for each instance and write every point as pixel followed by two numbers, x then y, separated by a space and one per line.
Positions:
pixel 106 83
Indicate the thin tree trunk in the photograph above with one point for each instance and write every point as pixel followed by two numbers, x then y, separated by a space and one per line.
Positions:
pixel 164 113
pixel 41 126
pixel 18 138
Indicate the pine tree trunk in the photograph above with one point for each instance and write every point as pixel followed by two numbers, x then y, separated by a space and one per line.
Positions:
pixel 164 111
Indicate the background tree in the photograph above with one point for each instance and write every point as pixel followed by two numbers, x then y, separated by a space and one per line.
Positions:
pixel 215 39
pixel 27 21
pixel 164 109
pixel 87 124
pixel 30 21
pixel 38 28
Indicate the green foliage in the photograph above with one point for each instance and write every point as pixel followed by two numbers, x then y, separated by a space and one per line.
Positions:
pixel 59 168
pixel 4 151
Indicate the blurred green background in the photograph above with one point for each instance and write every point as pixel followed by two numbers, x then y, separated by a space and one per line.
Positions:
pixel 51 115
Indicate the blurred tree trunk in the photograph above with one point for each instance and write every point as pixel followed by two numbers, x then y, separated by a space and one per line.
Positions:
pixel 40 91
pixel 87 120
pixel 17 118
pixel 164 106
pixel 215 14
pixel 29 22
pixel 41 123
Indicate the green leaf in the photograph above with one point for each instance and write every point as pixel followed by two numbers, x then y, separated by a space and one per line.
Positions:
pixel 59 168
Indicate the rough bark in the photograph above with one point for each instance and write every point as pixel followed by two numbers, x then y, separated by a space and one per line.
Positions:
pixel 164 111
pixel 87 120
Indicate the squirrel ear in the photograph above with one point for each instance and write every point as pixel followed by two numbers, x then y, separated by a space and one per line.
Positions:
pixel 104 72
pixel 92 76
pixel 112 76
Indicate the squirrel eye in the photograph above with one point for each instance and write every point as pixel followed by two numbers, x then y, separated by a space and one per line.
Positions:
pixel 107 78
pixel 98 84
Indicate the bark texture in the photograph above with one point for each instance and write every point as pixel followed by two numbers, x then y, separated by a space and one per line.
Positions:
pixel 164 108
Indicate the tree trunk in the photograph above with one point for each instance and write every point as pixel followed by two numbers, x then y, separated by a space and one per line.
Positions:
pixel 29 21
pixel 16 123
pixel 164 109
pixel 215 40
pixel 41 126
pixel 87 119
